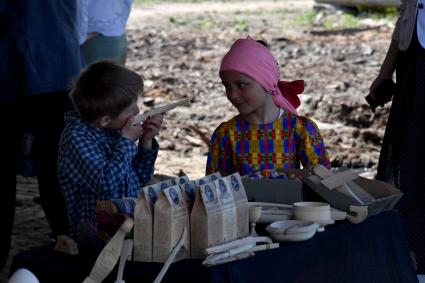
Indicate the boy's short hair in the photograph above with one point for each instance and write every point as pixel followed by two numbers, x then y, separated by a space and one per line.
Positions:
pixel 105 89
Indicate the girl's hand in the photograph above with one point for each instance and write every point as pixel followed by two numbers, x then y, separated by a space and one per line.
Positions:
pixel 376 84
pixel 132 131
pixel 151 128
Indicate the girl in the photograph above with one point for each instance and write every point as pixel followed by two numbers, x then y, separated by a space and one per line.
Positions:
pixel 268 133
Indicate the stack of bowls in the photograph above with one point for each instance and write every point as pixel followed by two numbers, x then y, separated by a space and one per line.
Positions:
pixel 319 212
pixel 292 230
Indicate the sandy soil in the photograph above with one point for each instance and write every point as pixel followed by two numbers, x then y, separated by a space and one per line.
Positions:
pixel 177 49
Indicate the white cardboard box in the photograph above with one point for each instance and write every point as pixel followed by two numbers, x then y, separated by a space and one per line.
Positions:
pixel 386 195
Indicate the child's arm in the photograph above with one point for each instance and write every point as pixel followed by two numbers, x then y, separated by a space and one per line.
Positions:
pixel 310 145
pixel 144 162
pixel 151 127
pixel 102 173
pixel 220 153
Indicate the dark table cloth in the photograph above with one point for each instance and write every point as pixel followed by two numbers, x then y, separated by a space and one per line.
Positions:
pixel 373 251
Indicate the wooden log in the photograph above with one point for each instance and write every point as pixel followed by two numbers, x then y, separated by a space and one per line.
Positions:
pixel 365 3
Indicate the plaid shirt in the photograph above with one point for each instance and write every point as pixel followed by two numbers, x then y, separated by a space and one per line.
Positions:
pixel 98 164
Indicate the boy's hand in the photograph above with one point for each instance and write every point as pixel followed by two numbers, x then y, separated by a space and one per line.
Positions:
pixel 151 127
pixel 132 131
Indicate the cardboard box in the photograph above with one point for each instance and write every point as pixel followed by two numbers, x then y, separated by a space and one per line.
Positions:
pixel 386 195
pixel 275 190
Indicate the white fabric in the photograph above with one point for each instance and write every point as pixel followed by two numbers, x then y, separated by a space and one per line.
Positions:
pixel 23 275
pixel 420 23
pixel 107 17
pixel 281 111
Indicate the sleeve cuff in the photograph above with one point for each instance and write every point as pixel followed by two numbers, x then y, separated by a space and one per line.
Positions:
pixel 128 146
pixel 153 151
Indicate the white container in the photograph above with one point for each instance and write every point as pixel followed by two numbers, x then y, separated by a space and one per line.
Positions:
pixel 292 230
pixel 319 212
pixel 270 215
pixel 23 275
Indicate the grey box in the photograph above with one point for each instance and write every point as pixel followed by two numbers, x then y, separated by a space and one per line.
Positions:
pixel 273 190
pixel 386 195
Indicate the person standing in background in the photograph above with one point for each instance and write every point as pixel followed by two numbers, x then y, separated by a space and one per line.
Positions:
pixel 40 55
pixel 401 161
pixel 102 29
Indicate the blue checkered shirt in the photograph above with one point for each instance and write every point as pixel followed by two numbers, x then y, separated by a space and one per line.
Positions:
pixel 98 164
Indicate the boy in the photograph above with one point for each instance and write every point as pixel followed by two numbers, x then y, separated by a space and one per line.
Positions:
pixel 98 158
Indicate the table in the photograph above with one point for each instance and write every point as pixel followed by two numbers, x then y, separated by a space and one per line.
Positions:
pixel 373 251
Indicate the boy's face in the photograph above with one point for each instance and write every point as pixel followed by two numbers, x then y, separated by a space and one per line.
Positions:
pixel 118 122
pixel 243 92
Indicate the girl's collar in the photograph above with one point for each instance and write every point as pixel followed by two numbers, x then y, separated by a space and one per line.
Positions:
pixel 281 114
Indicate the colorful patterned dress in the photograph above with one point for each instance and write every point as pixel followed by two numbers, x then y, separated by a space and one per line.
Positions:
pixel 291 140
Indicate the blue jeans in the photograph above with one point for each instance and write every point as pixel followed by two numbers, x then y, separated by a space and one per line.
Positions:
pixel 105 47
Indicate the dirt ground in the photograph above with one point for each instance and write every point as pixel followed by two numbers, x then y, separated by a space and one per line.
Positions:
pixel 177 49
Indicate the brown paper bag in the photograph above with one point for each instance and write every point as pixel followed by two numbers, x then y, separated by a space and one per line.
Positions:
pixel 152 191
pixel 225 196
pixel 241 202
pixel 143 220
pixel 143 228
pixel 189 192
pixel 206 221
pixel 181 180
pixel 207 179
pixel 171 217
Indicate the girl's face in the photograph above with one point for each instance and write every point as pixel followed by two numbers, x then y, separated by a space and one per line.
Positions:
pixel 121 119
pixel 243 92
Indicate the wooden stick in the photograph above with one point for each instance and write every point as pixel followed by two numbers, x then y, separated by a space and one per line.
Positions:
pixel 127 248
pixel 108 257
pixel 280 205
pixel 159 110
pixel 343 182
pixel 227 246
pixel 264 247
pixel 211 259
pixel 339 179
pixel 323 173
pixel 338 214
pixel 360 214
pixel 173 254
pixel 233 258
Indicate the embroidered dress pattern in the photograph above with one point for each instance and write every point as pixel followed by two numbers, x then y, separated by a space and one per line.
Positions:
pixel 291 140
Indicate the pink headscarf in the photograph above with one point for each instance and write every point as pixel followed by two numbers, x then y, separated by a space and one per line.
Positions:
pixel 256 61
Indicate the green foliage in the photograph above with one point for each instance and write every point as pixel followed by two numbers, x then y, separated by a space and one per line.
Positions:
pixel 240 25
pixel 344 19
pixel 207 24
pixel 378 13
pixel 281 11
pixel 179 20
pixel 306 18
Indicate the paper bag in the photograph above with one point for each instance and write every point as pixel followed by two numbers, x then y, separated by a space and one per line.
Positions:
pixel 206 221
pixel 143 228
pixel 225 196
pixel 171 218
pixel 241 201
